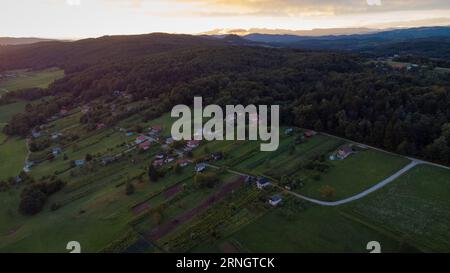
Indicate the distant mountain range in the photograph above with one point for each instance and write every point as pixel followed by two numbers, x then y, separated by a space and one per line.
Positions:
pixel 312 33
pixel 353 40
pixel 21 41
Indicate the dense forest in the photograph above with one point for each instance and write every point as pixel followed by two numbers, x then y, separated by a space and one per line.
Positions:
pixel 340 93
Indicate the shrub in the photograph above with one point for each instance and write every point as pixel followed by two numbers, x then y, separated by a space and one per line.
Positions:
pixel 32 202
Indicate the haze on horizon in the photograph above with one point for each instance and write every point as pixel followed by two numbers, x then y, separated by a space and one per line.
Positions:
pixel 94 18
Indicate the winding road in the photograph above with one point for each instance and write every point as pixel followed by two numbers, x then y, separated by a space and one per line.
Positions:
pixel 379 185
pixel 361 194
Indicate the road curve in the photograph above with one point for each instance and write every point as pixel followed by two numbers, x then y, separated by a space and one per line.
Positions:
pixel 361 194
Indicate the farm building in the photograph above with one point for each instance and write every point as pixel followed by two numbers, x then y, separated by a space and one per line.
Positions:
pixel 275 200
pixel 262 183
pixel 289 131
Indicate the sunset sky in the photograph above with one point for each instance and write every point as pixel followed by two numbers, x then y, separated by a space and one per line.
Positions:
pixel 93 18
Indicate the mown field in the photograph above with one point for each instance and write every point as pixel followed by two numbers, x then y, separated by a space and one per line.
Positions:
pixel 316 229
pixel 27 79
pixel 355 174
pixel 416 208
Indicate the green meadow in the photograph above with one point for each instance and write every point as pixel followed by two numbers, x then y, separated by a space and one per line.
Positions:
pixel 415 207
pixel 27 79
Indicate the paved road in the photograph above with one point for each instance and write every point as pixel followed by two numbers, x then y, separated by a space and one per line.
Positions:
pixel 361 194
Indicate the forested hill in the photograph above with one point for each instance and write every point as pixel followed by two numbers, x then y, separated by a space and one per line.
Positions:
pixel 343 94
pixel 78 55
pixel 20 41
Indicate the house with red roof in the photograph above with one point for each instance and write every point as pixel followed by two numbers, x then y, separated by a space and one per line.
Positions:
pixel 183 162
pixel 144 146
pixel 101 126
pixel 156 128
pixel 192 144
pixel 140 139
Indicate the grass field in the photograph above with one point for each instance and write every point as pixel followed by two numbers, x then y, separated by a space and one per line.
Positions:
pixel 410 214
pixel 355 174
pixel 28 79
pixel 12 154
pixel 9 110
pixel 94 219
pixel 416 207
pixel 317 229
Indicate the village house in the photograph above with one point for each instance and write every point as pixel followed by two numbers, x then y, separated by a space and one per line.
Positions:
pixel 262 183
pixel 158 163
pixel 106 160
pixel 56 151
pixel 182 162
pixel 144 146
pixel 275 200
pixel 156 129
pixel 100 126
pixel 192 144
pixel 217 156
pixel 169 159
pixel 201 167
pixel 140 139
pixel 36 134
pixel 55 136
pixel 160 156
pixel 63 112
pixel 169 141
pixel 289 131
pixel 250 179
pixel 85 109
pixel 18 180
pixel 310 133
pixel 80 162
pixel 28 165
pixel 129 134
pixel 342 153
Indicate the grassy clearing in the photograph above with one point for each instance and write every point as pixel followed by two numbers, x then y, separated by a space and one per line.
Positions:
pixel 416 207
pixel 12 156
pixel 9 110
pixel 355 174
pixel 317 229
pixel 27 79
